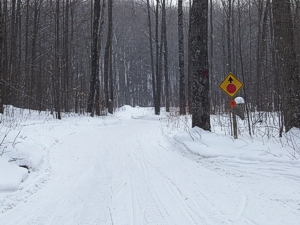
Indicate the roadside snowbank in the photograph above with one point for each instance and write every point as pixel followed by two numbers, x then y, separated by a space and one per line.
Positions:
pixel 27 140
pixel 209 144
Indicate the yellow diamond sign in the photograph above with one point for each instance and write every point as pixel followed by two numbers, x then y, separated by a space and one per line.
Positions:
pixel 231 85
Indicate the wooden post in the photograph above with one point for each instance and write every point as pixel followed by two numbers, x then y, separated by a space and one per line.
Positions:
pixel 235 135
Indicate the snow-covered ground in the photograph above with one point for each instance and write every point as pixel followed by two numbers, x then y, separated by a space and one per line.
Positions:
pixel 137 168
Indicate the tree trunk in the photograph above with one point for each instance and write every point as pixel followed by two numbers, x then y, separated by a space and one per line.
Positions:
pixel 95 60
pixel 166 67
pixel 1 59
pixel 228 35
pixel 182 103
pixel 158 72
pixel 27 67
pixel 190 77
pixel 199 64
pixel 287 64
pixel 99 99
pixel 108 100
pixel 57 65
pixel 211 37
pixel 12 58
pixel 110 24
pixel 151 54
pixel 242 66
pixel 33 88
pixel 66 67
pixel 261 57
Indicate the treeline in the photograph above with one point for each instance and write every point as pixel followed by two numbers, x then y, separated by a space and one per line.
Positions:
pixel 48 52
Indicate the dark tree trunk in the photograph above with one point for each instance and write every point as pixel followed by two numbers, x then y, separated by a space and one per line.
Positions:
pixel 287 64
pixel 95 60
pixel 182 102
pixel 1 59
pixel 211 37
pixel 190 77
pixel 99 100
pixel 199 64
pixel 5 53
pixel 151 53
pixel 110 27
pixel 33 87
pixel 66 74
pixel 108 100
pixel 27 67
pixel 242 66
pixel 158 71
pixel 166 67
pixel 261 57
pixel 57 65
pixel 12 58
pixel 18 69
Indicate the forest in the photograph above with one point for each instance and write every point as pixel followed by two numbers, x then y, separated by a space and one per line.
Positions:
pixel 94 56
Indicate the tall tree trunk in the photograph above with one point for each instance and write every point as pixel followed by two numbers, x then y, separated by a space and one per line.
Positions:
pixel 5 53
pixel 228 35
pixel 26 81
pixel 108 101
pixel 211 37
pixel 151 53
pixel 242 65
pixel 286 59
pixel 261 56
pixel 190 77
pixel 12 57
pixel 95 56
pixel 18 71
pixel 158 72
pixel 199 70
pixel 57 65
pixel 34 77
pixel 66 67
pixel 1 59
pixel 182 102
pixel 99 99
pixel 110 27
pixel 166 58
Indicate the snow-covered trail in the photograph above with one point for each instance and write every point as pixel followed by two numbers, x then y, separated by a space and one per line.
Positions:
pixel 130 174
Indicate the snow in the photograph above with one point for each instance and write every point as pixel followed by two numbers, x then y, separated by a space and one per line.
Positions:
pixel 134 167
pixel 239 100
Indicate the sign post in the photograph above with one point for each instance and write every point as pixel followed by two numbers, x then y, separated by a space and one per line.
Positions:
pixel 231 85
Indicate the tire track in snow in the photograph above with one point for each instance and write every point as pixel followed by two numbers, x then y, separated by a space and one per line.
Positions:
pixel 131 175
pixel 175 190
pixel 252 178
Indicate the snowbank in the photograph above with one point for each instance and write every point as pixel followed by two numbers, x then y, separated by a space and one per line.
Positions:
pixel 213 145
pixel 27 143
pixel 28 137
